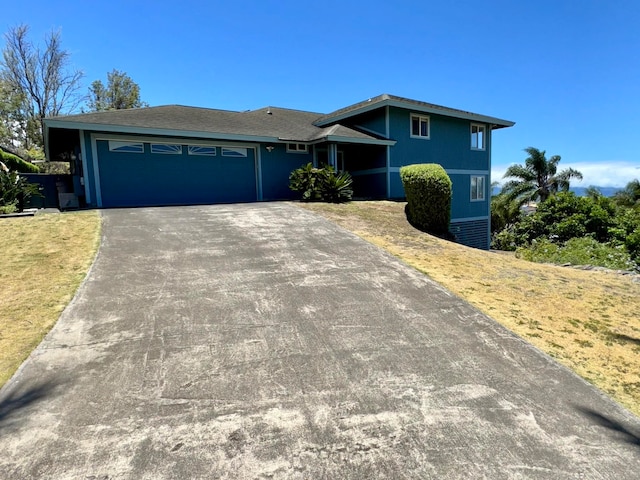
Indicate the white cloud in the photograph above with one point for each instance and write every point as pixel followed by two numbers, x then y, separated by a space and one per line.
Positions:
pixel 606 174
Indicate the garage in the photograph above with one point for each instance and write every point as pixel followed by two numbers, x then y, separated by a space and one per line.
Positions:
pixel 170 172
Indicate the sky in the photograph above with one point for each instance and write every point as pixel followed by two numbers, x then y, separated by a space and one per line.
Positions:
pixel 566 71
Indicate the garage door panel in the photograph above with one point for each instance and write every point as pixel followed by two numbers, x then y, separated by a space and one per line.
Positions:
pixel 145 179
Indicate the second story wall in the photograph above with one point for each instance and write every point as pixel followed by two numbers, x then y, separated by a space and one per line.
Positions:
pixel 448 141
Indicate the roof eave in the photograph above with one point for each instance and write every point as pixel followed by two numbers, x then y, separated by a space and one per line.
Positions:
pixel 157 131
pixel 495 122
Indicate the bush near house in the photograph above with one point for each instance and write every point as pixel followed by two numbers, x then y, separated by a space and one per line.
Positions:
pixel 428 189
pixel 14 190
pixel 321 184
pixel 15 163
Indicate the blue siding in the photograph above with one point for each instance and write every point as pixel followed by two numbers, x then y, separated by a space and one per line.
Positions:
pixel 129 179
pixel 374 120
pixel 461 204
pixel 449 144
pixel 277 165
pixel 474 233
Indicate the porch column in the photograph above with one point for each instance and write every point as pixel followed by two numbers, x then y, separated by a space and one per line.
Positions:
pixel 333 155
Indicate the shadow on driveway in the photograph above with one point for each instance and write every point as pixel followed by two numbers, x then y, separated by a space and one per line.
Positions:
pixel 620 431
pixel 21 399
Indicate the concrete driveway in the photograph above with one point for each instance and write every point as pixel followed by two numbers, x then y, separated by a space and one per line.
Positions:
pixel 261 341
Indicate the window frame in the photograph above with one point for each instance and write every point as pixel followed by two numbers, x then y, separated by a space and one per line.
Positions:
pixel 297 147
pixel 480 194
pixel 199 150
pixel 420 118
pixel 120 146
pixel 474 144
pixel 171 148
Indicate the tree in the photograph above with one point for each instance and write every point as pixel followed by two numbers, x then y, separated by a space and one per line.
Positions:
pixel 121 92
pixel 42 77
pixel 630 195
pixel 538 178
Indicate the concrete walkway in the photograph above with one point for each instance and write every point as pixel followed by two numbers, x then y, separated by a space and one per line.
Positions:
pixel 261 341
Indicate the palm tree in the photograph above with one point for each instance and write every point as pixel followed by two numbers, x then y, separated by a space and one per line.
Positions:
pixel 539 178
pixel 630 195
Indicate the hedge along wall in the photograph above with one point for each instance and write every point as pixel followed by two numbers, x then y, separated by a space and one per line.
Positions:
pixel 428 189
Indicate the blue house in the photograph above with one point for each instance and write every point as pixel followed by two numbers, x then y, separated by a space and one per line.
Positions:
pixel 177 155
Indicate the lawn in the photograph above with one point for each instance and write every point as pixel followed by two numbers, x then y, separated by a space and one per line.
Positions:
pixel 43 260
pixel 587 320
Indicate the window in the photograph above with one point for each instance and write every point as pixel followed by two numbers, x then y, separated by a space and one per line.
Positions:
pixel 126 147
pixel 477 136
pixel 233 152
pixel 419 126
pixel 166 148
pixel 477 189
pixel 297 148
pixel 201 150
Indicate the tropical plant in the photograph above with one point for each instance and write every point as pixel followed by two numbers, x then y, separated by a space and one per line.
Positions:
pixel 505 211
pixel 14 189
pixel 538 178
pixel 321 184
pixel 630 195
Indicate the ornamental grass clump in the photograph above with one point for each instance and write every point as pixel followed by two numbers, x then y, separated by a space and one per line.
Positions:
pixel 428 189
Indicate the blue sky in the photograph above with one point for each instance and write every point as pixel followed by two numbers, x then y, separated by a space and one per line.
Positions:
pixel 566 71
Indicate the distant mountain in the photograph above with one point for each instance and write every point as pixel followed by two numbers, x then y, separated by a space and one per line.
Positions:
pixel 579 191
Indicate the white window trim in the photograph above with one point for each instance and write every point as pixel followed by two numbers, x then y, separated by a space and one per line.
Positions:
pixel 114 146
pixel 484 136
pixel 191 151
pixel 299 148
pixel 421 118
pixel 471 189
pixel 234 152
pixel 165 152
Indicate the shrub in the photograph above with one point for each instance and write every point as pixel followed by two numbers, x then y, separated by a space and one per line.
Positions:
pixel 578 251
pixel 15 190
pixel 428 190
pixel 321 184
pixel 13 162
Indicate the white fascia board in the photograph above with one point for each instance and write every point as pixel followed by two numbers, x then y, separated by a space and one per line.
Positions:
pixel 164 132
pixel 420 108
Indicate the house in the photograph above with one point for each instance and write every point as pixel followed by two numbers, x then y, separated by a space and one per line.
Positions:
pixel 177 155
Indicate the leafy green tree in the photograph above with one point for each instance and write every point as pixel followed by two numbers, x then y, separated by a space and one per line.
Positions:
pixel 121 92
pixel 538 178
pixel 41 78
pixel 630 195
pixel 505 211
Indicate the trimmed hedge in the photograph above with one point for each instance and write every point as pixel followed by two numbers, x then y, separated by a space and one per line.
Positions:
pixel 428 189
pixel 17 164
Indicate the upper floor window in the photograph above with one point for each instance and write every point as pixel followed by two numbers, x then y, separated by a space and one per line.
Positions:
pixel 477 188
pixel 478 136
pixel 419 126
pixel 297 148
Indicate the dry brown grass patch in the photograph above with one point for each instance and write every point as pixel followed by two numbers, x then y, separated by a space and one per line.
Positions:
pixel 43 259
pixel 587 320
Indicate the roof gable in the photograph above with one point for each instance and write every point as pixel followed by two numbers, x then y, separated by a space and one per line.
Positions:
pixel 391 100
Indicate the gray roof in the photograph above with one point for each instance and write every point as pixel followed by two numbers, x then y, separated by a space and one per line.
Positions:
pixel 417 105
pixel 265 124
pixel 269 124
